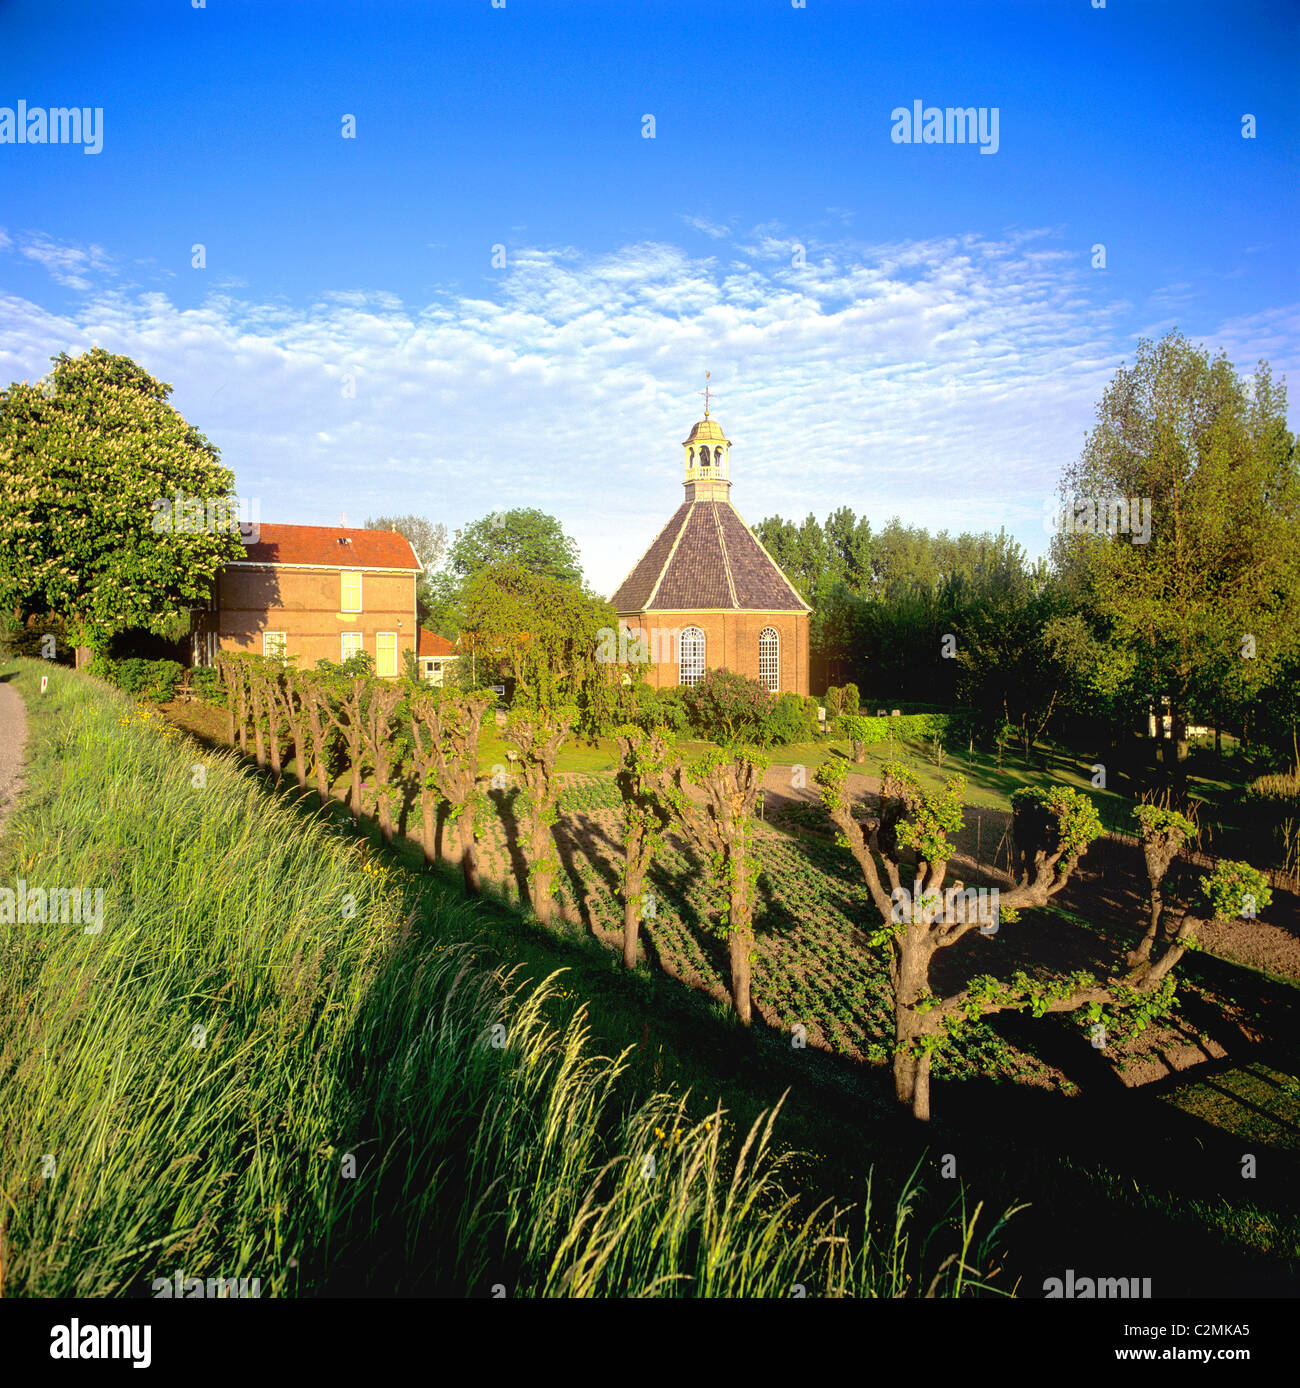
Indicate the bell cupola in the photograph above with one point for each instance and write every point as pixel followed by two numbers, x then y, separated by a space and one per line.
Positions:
pixel 708 458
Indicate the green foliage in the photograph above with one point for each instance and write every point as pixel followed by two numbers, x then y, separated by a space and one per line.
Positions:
pixel 873 731
pixel 526 537
pixel 789 721
pixel 29 638
pixel 1073 815
pixel 377 1035
pixel 1235 889
pixel 729 708
pixel 930 815
pixel 86 456
pixel 155 680
pixel 1213 456
pixel 545 634
pixel 205 681
pixel 1156 819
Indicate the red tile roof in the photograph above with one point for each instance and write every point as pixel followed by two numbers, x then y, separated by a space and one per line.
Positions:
pixel 431 644
pixel 323 546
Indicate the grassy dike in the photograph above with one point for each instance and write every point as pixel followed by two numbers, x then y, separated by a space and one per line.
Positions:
pixel 284 1058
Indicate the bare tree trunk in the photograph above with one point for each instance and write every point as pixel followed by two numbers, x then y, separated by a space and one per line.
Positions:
pixel 429 824
pixel 540 877
pixel 740 942
pixel 911 1067
pixel 273 729
pixel 631 921
pixel 469 857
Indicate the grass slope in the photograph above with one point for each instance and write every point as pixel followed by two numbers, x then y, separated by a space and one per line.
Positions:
pixel 284 1058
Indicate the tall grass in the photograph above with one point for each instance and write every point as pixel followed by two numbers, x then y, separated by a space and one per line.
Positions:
pixel 280 1059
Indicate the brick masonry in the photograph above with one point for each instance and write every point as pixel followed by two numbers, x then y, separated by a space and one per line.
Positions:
pixel 731 642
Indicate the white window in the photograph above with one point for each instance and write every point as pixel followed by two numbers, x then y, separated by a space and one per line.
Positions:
pixel 692 655
pixel 769 659
pixel 386 653
pixel 350 592
pixel 352 644
pixel 273 643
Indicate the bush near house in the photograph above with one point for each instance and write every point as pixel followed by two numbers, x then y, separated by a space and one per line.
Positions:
pixel 154 680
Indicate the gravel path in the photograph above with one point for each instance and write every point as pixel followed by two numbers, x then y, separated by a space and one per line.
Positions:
pixel 13 734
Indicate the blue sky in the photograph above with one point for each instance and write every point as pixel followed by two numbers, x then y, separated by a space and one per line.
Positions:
pixel 938 356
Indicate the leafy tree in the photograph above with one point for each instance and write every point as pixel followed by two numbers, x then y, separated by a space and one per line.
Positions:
pixel 1210 603
pixel 429 541
pixel 525 537
pixel 87 458
pixel 544 633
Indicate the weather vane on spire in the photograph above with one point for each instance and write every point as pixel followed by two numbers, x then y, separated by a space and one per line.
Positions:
pixel 705 393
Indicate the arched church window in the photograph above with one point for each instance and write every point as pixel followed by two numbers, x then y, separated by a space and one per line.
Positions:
pixel 769 659
pixel 692 655
pixel 704 456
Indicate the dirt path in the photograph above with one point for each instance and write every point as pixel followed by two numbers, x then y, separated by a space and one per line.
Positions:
pixel 13 736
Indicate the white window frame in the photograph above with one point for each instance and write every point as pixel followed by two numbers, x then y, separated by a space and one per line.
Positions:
pixel 358 644
pixel 691 667
pixel 284 643
pixel 386 674
pixel 772 681
pixel 348 573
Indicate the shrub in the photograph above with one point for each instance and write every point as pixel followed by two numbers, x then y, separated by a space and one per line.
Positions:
pixel 850 699
pixel 834 701
pixel 1236 889
pixel 205 682
pixel 789 720
pixel 729 708
pixel 146 679
pixel 29 638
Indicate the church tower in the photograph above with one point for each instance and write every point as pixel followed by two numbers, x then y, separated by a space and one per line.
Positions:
pixel 706 594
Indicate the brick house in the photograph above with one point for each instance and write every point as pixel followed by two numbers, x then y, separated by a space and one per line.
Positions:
pixel 706 594
pixel 318 593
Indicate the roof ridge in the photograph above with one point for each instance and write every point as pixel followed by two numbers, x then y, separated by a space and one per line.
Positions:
pixel 654 592
pixel 726 560
pixel 645 554
pixel 798 596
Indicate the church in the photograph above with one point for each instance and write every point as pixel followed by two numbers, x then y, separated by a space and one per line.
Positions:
pixel 706 594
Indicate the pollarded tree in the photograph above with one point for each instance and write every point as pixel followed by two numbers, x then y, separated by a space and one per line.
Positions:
pixel 644 763
pixel 316 689
pixel 1164 832
pixel 289 693
pixel 382 718
pixel 537 733
pixel 87 458
pixel 445 728
pixel 721 830
pixel 920 913
pixel 232 669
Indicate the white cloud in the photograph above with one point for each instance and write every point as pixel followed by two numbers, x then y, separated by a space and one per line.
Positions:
pixel 945 381
pixel 68 265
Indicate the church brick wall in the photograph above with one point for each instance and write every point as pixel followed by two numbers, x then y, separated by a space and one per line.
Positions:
pixel 731 642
